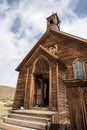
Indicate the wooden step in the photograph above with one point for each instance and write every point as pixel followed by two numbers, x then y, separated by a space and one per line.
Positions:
pixel 23 123
pixel 39 113
pixel 30 118
pixel 4 126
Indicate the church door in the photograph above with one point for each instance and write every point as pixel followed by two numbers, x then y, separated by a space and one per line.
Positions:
pixel 41 74
pixel 39 91
pixel 42 91
pixel 77 108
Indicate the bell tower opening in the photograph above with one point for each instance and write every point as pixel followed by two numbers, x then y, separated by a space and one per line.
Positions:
pixel 41 75
pixel 53 22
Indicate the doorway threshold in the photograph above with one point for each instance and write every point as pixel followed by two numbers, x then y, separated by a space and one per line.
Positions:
pixel 40 108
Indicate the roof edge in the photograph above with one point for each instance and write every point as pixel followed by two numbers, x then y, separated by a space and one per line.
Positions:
pixel 43 37
pixel 33 48
pixel 70 35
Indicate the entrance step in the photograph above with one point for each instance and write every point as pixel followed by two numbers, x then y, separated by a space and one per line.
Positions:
pixel 5 126
pixel 41 108
pixel 27 124
pixel 29 118
pixel 39 113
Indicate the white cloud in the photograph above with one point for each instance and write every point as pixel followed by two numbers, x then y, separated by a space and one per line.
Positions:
pixel 31 15
pixel 77 27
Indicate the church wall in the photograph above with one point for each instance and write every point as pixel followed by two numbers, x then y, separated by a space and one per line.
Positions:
pixel 63 107
pixel 27 88
pixel 54 84
pixel 68 50
pixel 20 90
pixel 68 53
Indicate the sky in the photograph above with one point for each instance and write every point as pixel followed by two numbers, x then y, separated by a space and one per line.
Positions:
pixel 23 22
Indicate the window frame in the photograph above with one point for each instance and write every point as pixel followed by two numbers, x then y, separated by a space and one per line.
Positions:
pixel 83 68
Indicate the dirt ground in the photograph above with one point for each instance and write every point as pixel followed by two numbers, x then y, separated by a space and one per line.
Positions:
pixel 3 110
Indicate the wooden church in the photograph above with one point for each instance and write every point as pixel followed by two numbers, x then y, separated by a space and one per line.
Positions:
pixel 51 92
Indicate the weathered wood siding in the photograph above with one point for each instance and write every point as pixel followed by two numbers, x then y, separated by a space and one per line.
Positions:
pixel 63 107
pixel 20 90
pixel 68 50
pixel 27 89
pixel 54 86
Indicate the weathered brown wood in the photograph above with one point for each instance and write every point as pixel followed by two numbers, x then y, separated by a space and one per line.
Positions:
pixel 77 106
pixel 53 58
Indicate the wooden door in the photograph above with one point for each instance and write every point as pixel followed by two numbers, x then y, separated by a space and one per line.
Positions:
pixel 76 105
pixel 85 104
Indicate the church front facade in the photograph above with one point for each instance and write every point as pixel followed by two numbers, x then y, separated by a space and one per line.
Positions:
pixel 53 75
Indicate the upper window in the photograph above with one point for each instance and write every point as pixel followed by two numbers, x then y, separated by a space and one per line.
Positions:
pixel 79 70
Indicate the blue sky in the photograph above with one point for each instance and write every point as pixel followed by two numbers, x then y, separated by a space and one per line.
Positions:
pixel 81 8
pixel 22 22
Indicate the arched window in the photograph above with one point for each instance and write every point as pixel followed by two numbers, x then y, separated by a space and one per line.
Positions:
pixel 79 70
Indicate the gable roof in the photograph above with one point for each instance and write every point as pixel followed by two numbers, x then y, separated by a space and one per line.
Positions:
pixel 44 50
pixel 44 36
pixel 53 56
pixel 70 36
pixel 48 53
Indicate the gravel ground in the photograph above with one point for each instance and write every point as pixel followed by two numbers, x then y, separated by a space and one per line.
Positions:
pixel 3 110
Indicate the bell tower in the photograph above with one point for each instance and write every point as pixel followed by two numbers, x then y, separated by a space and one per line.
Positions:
pixel 53 22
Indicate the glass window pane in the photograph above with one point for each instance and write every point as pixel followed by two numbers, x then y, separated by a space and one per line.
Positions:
pixel 79 70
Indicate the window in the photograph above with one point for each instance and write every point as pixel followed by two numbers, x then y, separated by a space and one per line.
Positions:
pixel 79 70
pixel 51 21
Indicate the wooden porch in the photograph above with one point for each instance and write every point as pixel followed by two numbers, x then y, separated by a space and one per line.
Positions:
pixel 30 120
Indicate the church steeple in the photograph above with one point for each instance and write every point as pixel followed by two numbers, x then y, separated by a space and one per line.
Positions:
pixel 53 22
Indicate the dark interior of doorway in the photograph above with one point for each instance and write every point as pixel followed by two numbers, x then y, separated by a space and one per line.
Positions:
pixel 44 90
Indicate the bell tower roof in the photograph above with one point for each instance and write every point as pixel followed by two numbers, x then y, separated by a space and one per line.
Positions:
pixel 53 22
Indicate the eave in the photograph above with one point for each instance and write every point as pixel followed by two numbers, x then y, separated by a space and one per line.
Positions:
pixel 70 36
pixel 32 50
pixel 42 49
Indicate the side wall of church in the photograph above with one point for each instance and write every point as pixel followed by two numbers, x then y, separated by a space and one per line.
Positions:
pixel 20 89
pixel 68 50
pixel 63 107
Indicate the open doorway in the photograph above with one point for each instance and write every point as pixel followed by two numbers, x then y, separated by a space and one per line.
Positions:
pixel 42 91
pixel 46 92
pixel 41 74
